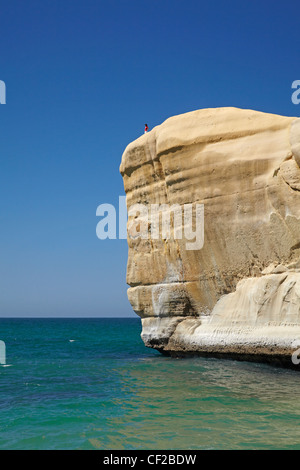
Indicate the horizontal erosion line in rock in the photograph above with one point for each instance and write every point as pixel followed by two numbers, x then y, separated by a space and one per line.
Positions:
pixel 180 316
pixel 212 278
pixel 171 283
pixel 207 198
pixel 157 284
pixel 203 143
pixel 209 139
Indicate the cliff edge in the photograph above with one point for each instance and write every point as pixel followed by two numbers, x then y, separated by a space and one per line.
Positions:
pixel 239 293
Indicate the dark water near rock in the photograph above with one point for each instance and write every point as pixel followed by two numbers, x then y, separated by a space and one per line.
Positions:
pixel 91 383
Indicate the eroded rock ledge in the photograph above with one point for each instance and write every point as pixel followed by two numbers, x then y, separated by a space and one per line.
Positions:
pixel 240 294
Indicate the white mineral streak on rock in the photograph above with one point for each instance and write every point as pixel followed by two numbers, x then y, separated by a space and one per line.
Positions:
pixel 240 294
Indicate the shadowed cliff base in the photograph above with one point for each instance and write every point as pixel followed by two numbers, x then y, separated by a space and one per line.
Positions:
pixel 275 360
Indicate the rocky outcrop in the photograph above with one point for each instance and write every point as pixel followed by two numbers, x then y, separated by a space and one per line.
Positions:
pixel 239 295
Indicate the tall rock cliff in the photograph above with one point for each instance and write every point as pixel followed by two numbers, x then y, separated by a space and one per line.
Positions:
pixel 239 294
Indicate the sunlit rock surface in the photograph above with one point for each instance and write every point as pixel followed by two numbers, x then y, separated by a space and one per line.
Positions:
pixel 240 294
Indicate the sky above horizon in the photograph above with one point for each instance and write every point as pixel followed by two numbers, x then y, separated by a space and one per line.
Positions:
pixel 82 77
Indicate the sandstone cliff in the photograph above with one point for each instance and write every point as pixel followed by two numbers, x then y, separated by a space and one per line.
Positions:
pixel 240 294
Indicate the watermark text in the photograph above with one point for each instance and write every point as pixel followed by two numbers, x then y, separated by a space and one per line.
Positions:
pixel 153 221
pixel 2 353
pixel 2 92
pixel 296 93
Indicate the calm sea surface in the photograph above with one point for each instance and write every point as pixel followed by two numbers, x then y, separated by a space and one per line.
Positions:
pixel 91 383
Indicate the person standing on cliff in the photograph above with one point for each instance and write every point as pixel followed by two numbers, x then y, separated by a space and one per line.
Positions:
pixel 146 128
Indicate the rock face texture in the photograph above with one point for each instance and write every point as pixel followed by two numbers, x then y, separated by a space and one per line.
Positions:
pixel 239 295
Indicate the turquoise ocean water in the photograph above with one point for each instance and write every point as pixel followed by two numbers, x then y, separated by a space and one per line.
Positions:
pixel 91 384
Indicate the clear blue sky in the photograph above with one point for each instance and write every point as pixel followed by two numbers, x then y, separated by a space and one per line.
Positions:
pixel 82 77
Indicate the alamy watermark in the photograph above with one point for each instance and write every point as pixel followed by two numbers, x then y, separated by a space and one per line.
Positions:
pixel 2 92
pixel 2 353
pixel 296 94
pixel 296 353
pixel 153 221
